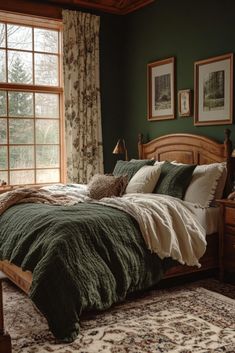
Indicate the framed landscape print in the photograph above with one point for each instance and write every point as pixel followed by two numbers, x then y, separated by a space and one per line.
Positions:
pixel 213 80
pixel 185 102
pixel 161 89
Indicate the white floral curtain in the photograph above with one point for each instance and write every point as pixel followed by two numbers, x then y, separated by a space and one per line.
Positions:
pixel 83 134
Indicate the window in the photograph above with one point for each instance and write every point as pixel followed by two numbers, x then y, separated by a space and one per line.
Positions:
pixel 31 94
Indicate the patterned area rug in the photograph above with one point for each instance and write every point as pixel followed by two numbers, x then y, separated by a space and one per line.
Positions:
pixel 177 320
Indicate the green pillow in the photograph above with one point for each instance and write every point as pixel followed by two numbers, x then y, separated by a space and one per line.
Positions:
pixel 174 179
pixel 130 168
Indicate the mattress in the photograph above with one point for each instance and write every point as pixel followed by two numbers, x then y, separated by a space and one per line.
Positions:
pixel 208 217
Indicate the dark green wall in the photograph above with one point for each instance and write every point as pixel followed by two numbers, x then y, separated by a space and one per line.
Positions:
pixel 188 30
pixel 111 82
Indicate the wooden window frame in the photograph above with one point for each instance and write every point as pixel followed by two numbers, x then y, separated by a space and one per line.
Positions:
pixel 44 23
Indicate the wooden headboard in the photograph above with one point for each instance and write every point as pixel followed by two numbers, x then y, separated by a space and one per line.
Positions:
pixel 190 149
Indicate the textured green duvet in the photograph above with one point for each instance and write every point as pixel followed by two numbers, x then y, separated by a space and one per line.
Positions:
pixel 83 257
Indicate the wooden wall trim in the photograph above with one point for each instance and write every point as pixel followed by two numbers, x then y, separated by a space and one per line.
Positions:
pixel 136 6
pixel 31 20
pixel 53 8
pixel 121 7
pixel 32 8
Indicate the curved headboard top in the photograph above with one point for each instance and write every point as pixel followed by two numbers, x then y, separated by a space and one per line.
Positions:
pixel 190 149
pixel 186 148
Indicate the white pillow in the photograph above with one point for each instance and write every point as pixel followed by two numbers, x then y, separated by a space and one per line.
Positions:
pixel 159 163
pixel 221 182
pixel 145 180
pixel 203 186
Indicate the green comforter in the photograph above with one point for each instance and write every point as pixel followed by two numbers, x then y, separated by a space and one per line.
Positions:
pixel 83 257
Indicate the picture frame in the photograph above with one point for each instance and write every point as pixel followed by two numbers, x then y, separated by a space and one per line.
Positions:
pixel 185 102
pixel 213 91
pixel 161 89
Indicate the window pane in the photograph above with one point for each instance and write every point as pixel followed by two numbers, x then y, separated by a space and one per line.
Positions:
pixel 19 37
pixel 20 104
pixel 22 177
pixel 45 40
pixel 20 67
pixel 47 156
pixel 2 35
pixel 2 65
pixel 3 158
pixel 47 105
pixel 21 131
pixel 3 103
pixel 21 157
pixel 3 177
pixel 47 131
pixel 3 131
pixel 48 176
pixel 46 70
pixel 30 127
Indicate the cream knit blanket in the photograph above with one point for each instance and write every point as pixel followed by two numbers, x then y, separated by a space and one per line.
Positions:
pixel 167 225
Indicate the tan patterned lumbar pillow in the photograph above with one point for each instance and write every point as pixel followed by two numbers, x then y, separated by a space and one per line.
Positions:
pixel 102 185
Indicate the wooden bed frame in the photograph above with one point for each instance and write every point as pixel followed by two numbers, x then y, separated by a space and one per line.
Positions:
pixel 192 149
pixel 184 148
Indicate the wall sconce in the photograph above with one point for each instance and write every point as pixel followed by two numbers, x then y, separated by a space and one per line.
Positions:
pixel 120 148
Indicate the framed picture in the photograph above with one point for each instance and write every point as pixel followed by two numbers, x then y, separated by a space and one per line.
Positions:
pixel 185 102
pixel 213 80
pixel 161 89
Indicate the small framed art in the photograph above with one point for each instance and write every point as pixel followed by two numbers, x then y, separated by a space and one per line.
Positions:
pixel 185 102
pixel 213 79
pixel 161 89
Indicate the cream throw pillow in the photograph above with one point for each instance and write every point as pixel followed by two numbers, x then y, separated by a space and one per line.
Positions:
pixel 145 180
pixel 203 186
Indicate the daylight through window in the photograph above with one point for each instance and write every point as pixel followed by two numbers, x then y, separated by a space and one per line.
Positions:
pixel 30 101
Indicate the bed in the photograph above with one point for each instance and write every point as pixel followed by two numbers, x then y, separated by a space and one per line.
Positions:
pixel 183 148
pixel 195 149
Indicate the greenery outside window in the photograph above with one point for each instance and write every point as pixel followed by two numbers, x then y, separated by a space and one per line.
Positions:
pixel 31 101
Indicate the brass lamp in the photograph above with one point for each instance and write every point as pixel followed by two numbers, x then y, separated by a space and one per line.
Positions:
pixel 120 148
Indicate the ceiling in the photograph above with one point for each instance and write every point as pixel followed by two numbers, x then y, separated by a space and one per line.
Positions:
pixel 120 7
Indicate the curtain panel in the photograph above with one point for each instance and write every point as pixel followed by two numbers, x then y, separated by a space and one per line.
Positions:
pixel 83 132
